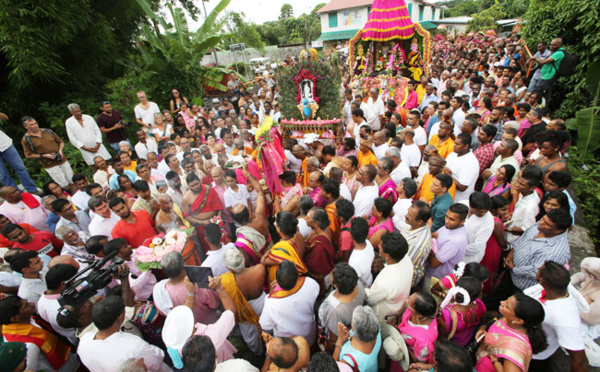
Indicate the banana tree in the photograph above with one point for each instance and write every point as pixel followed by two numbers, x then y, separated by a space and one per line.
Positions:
pixel 173 53
pixel 587 121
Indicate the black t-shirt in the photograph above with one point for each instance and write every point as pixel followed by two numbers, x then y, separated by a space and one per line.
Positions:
pixel 108 122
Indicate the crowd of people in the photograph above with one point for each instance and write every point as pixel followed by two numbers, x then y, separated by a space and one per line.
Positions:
pixel 432 238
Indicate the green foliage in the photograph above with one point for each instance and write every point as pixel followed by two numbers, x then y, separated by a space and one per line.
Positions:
pixel 286 12
pixel 170 56
pixel 586 182
pixel 56 50
pixel 462 8
pixel 486 19
pixel 327 89
pixel 241 31
pixel 269 33
pixel 512 8
pixel 587 120
pixel 578 23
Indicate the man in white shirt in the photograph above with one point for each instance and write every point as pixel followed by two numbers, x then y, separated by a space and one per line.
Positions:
pixel 369 115
pixel 15 209
pixel 527 207
pixel 235 193
pixel 562 322
pixel 367 192
pixel 406 189
pixel 144 145
pixel 109 348
pixel 463 167
pixel 80 198
pixel 363 254
pixel 103 173
pixel 377 107
pixel 413 120
pixel 479 226
pixel 410 152
pixel 48 305
pixel 145 111
pixel 214 257
pixel 347 106
pixel 401 170
pixel 380 144
pixel 104 219
pixel 290 310
pixel 392 286
pixel 458 116
pixel 85 135
pixel 30 265
pixel 185 145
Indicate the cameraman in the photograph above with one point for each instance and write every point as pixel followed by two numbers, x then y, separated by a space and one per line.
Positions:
pixel 141 282
pixel 111 124
pixel 80 317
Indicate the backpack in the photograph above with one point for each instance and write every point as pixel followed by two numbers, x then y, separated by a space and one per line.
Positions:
pixel 567 65
pixel 30 143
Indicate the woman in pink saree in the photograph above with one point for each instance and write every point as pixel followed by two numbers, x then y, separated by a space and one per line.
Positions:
pixel 419 329
pixel 387 186
pixel 513 339
pixel 461 311
pixel 380 222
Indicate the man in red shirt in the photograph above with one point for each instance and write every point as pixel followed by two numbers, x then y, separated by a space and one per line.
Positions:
pixel 4 221
pixel 134 227
pixel 42 242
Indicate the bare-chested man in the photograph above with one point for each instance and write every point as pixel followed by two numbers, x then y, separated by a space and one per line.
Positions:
pixel 245 287
pixel 252 235
pixel 169 215
pixel 200 204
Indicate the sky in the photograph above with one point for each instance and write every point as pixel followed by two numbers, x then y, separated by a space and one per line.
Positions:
pixel 260 11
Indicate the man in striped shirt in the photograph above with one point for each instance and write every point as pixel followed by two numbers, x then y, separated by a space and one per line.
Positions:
pixel 544 241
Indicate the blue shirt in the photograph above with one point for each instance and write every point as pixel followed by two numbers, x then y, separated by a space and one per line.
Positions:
pixel 113 183
pixel 439 207
pixel 366 362
pixel 531 253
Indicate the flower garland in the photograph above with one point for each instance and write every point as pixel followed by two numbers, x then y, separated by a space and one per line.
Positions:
pixel 158 246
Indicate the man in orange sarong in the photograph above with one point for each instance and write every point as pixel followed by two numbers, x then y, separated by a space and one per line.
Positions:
pixel 245 287
pixel 201 205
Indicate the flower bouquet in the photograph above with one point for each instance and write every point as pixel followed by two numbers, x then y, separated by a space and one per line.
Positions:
pixel 149 254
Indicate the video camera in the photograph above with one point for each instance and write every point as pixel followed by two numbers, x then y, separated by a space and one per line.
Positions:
pixel 78 289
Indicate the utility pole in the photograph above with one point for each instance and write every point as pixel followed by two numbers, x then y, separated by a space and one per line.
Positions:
pixel 205 18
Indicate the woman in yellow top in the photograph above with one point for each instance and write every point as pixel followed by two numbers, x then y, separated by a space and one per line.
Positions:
pixel 365 155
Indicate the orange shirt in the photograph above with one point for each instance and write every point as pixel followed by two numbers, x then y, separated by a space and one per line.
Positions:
pixel 424 189
pixel 444 149
pixel 369 158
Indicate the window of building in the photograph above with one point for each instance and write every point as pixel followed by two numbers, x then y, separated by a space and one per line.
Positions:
pixel 433 13
pixel 410 10
pixel 333 20
pixel 421 12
